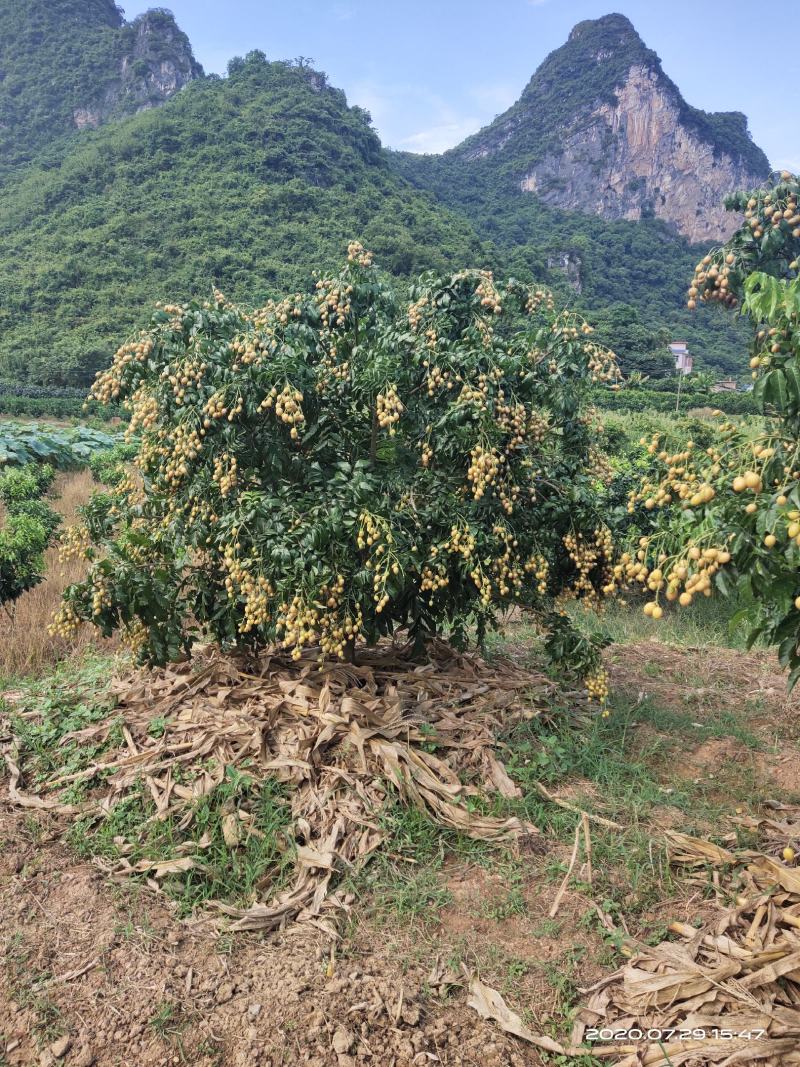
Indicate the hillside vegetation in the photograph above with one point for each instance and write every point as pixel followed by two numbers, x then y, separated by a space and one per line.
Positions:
pixel 621 265
pixel 63 60
pixel 241 182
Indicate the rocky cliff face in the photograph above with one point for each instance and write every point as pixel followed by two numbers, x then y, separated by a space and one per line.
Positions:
pixel 600 128
pixel 156 61
pixel 635 158
pixel 67 64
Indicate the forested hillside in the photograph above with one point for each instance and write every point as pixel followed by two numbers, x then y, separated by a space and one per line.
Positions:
pixel 242 182
pixel 126 176
pixel 69 64
pixel 617 268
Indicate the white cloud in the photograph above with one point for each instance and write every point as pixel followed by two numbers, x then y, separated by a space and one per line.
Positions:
pixel 394 108
pixel 440 138
pixel 494 97
pixel 380 103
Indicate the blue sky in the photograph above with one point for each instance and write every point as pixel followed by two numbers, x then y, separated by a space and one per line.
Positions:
pixel 433 71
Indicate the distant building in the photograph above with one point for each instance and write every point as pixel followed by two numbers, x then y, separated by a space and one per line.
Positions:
pixel 683 360
pixel 725 385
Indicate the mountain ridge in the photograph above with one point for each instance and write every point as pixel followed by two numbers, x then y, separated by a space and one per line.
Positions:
pixel 601 128
pixel 66 65
pixel 246 182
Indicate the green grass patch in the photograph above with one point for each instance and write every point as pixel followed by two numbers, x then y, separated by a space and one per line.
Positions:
pixel 71 699
pixel 251 859
pixel 709 621
pixel 235 872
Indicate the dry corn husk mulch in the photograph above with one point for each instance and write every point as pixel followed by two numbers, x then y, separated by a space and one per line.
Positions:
pixel 739 974
pixel 335 734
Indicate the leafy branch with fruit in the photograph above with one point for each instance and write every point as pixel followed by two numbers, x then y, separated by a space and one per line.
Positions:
pixel 727 518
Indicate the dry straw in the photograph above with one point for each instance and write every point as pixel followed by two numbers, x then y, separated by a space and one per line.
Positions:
pixel 26 647
pixel 337 735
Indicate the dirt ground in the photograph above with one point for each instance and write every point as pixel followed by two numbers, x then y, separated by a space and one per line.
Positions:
pixel 127 984
pixel 102 973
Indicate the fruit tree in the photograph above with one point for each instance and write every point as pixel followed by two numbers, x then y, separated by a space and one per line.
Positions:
pixel 727 517
pixel 338 465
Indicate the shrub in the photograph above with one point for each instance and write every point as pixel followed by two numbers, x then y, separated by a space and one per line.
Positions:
pixel 45 475
pixel 336 466
pixel 108 466
pixel 19 484
pixel 23 540
pixel 39 510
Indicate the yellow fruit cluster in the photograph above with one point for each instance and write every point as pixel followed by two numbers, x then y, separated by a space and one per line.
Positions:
pixel 461 541
pixel 508 496
pixel 507 569
pixel 415 311
pixel 374 533
pixel 538 566
pixel 73 543
pixel 373 530
pixel 512 419
pixel 476 396
pixel 389 408
pixel 226 472
pixel 333 301
pixel 357 254
pixel 712 282
pixel 538 298
pixel 106 387
pixel 334 635
pixel 483 469
pixel 214 408
pixel 773 212
pixel 489 296
pixel 434 578
pixel 597 686
pixel 602 362
pixel 65 622
pixel 486 332
pixel 303 624
pixel 134 636
pixel 184 447
pixel 284 310
pixel 766 212
pixel 589 557
pixel 686 479
pixel 248 351
pixel 537 428
pixel 692 572
pixel 255 590
pixel 437 379
pixel 144 412
pixel 298 622
pixel 101 592
pixel 190 374
pixel 289 410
